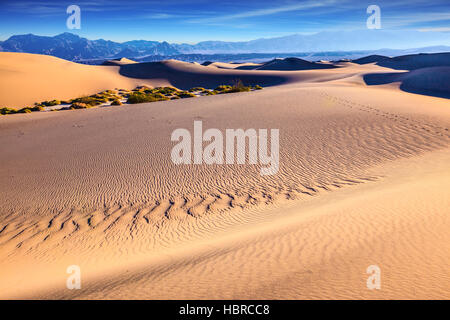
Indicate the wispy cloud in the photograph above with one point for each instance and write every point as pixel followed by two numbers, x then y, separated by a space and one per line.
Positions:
pixel 264 12
pixel 408 20
pixel 443 29
pixel 160 16
pixel 53 8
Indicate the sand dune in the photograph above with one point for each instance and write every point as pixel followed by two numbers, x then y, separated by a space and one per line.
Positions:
pixel 118 62
pixel 36 78
pixel 409 62
pixel 286 64
pixel 231 65
pixel 434 81
pixel 363 180
pixel 186 75
pixel 293 64
pixel 28 78
pixel 428 73
pixel 371 59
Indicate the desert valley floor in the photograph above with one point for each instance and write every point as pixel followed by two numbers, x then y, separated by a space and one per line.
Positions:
pixel 364 179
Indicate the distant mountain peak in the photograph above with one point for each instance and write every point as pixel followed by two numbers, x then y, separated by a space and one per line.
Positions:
pixel 67 36
pixel 71 46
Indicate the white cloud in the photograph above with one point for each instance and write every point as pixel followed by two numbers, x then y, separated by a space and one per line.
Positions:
pixel 443 29
pixel 265 12
pixel 409 19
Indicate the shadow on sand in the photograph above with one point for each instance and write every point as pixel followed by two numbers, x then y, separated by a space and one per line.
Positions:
pixel 187 77
pixel 434 81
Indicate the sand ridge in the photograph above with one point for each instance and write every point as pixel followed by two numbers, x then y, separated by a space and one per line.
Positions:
pixel 29 78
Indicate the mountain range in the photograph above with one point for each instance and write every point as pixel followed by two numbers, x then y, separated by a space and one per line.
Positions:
pixel 75 48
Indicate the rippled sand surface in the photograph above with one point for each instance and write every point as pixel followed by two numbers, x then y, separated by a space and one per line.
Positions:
pixel 363 180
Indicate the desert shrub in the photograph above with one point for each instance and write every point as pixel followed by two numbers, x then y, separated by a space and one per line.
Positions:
pixel 237 86
pixel 238 89
pixel 22 110
pixel 142 88
pixel 175 98
pixel 113 97
pixel 185 94
pixel 257 87
pixel 91 100
pixel 123 91
pixel 37 108
pixel 107 95
pixel 141 97
pixel 165 90
pixel 197 89
pixel 222 88
pixel 209 92
pixel 51 103
pixel 100 97
pixel 79 105
pixel 116 102
pixel 7 110
pixel 109 92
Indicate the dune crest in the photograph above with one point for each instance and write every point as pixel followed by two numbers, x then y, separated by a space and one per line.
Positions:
pixel 118 62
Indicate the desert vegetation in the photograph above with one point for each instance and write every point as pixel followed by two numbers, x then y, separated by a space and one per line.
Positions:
pixel 141 94
pixel 141 97
pixel 7 110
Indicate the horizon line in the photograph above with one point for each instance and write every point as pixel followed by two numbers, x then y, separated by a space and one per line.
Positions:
pixel 431 30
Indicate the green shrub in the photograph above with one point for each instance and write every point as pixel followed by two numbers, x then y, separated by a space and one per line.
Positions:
pixel 51 103
pixel 209 92
pixel 37 108
pixel 79 105
pixel 116 102
pixel 7 110
pixel 165 90
pixel 222 88
pixel 22 110
pixel 237 86
pixel 141 97
pixel 238 89
pixel 257 87
pixel 91 100
pixel 142 89
pixel 185 94
pixel 197 89
pixel 113 98
pixel 100 97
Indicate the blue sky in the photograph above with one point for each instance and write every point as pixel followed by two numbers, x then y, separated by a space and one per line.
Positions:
pixel 229 20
